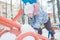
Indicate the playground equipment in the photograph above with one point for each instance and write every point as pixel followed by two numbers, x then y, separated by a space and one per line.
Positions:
pixel 19 35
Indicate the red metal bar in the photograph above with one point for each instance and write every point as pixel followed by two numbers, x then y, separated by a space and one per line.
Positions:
pixel 20 13
pixel 10 22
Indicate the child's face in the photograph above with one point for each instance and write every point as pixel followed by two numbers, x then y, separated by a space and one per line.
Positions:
pixel 30 15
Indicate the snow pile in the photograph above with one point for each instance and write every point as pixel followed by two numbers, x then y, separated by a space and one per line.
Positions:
pixel 8 36
pixel 27 28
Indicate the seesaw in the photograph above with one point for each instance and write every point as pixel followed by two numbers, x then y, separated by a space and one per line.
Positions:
pixel 17 32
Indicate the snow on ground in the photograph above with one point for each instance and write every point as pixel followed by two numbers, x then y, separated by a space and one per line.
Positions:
pixel 8 36
pixel 27 28
pixel 57 34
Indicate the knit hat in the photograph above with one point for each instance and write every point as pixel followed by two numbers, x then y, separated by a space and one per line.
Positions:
pixel 30 1
pixel 29 8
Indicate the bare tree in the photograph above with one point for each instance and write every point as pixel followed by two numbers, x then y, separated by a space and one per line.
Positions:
pixel 53 4
pixel 58 6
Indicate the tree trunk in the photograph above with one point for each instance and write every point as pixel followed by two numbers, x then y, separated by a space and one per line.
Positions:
pixel 58 6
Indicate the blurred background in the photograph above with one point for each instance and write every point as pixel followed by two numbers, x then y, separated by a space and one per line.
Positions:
pixel 9 9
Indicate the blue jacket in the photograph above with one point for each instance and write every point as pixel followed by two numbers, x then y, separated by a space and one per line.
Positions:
pixel 37 20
